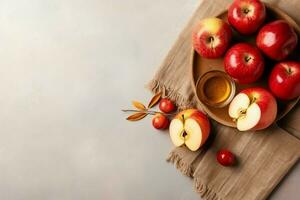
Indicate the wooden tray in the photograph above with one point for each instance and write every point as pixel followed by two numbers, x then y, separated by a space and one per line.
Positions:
pixel 200 65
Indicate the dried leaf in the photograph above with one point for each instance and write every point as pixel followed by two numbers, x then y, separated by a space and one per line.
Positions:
pixel 154 100
pixel 138 105
pixel 137 116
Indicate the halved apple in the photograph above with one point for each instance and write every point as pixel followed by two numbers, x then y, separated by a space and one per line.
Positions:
pixel 190 127
pixel 253 109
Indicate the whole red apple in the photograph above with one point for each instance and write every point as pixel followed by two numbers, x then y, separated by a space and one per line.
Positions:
pixel 160 121
pixel 284 80
pixel 246 16
pixel 166 105
pixel 225 157
pixel 211 37
pixel 277 40
pixel 253 109
pixel 244 63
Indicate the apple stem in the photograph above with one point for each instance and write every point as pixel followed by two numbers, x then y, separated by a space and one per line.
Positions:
pixel 246 10
pixel 253 100
pixel 150 112
pixel 247 58
pixel 211 41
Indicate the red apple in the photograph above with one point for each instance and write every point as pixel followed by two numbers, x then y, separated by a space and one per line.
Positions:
pixel 190 127
pixel 225 157
pixel 160 121
pixel 284 80
pixel 246 16
pixel 253 109
pixel 166 105
pixel 277 40
pixel 211 37
pixel 244 63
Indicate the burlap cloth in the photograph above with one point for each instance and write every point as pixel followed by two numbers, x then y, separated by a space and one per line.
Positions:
pixel 264 158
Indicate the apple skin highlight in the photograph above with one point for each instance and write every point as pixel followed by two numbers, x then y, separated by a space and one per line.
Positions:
pixel 244 63
pixel 284 80
pixel 211 37
pixel 277 40
pixel 246 16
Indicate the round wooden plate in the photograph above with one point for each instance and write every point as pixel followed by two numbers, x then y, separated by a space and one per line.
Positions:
pixel 200 65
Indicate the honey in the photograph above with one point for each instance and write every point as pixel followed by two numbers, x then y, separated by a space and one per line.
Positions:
pixel 215 88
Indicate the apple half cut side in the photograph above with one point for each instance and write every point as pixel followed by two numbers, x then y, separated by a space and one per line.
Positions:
pixel 177 132
pixel 190 128
pixel 253 109
pixel 247 115
pixel 188 133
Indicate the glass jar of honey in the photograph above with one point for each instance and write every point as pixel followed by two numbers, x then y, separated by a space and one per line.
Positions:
pixel 215 88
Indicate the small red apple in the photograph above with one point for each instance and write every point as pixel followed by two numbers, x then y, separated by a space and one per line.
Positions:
pixel 166 105
pixel 246 16
pixel 225 157
pixel 284 80
pixel 253 109
pixel 277 39
pixel 244 63
pixel 211 37
pixel 160 121
pixel 191 128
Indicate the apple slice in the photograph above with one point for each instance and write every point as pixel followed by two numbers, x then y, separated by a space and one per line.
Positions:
pixel 250 118
pixel 239 103
pixel 176 132
pixel 194 134
pixel 253 109
pixel 191 128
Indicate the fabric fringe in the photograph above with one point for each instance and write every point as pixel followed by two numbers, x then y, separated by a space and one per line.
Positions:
pixel 204 191
pixel 181 102
pixel 183 167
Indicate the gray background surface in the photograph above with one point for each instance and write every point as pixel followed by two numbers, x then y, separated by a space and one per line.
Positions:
pixel 67 68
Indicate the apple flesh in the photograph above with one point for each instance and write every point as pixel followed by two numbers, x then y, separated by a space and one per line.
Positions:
pixel 253 109
pixel 284 80
pixel 244 63
pixel 277 40
pixel 211 37
pixel 191 128
pixel 246 16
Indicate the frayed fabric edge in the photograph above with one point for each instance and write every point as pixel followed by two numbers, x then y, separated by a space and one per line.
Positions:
pixel 183 167
pixel 181 102
pixel 205 192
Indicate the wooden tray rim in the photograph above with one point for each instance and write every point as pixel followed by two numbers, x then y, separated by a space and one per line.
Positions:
pixel 275 9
